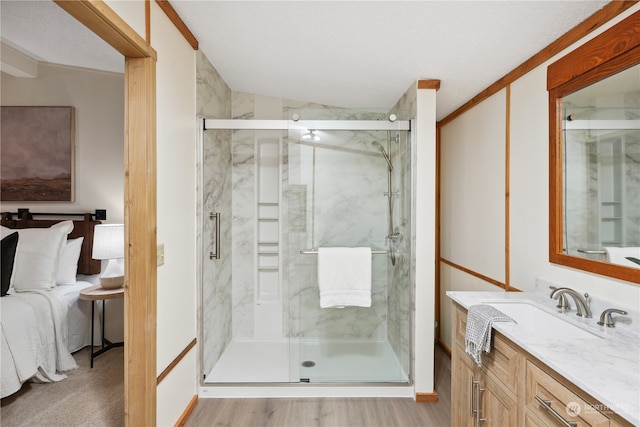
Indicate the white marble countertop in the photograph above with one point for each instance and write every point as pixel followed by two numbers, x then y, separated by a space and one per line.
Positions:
pixel 606 366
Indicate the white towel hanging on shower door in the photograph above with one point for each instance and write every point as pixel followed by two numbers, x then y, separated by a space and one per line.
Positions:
pixel 344 277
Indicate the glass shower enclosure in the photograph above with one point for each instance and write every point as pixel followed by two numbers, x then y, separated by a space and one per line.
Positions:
pixel 276 191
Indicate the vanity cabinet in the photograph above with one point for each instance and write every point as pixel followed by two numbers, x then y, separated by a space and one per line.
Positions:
pixel 484 395
pixel 512 388
pixel 482 400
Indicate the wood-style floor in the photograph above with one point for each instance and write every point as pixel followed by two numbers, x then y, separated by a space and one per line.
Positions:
pixel 331 412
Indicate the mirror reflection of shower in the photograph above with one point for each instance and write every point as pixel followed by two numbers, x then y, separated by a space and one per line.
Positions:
pixel 391 235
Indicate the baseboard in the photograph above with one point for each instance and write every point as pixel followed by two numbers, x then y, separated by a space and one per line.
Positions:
pixel 187 412
pixel 427 397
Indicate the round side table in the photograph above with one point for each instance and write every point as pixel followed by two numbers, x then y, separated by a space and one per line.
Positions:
pixel 98 293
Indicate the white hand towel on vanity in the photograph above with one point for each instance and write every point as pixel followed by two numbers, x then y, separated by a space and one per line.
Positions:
pixel 619 256
pixel 344 277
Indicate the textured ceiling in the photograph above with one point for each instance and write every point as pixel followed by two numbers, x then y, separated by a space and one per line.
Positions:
pixel 343 53
pixel 47 33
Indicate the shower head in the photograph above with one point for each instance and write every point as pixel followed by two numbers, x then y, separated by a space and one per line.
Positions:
pixel 384 153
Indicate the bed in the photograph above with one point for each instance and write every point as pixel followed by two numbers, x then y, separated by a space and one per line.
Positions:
pixel 42 319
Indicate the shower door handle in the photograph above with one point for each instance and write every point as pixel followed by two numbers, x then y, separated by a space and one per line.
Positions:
pixel 216 254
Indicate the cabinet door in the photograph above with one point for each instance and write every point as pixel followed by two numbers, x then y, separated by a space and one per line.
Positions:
pixel 462 377
pixel 472 390
pixel 496 407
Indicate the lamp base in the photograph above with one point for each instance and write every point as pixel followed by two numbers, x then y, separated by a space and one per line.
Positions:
pixel 112 282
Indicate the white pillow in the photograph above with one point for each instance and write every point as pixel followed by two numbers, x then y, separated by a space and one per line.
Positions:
pixel 37 255
pixel 68 265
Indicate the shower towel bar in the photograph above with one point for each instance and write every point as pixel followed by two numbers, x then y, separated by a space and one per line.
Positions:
pixel 315 252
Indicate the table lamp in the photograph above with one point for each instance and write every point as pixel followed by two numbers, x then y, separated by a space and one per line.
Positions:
pixel 108 244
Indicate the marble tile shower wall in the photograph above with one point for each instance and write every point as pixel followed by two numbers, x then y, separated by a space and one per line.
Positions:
pixel 399 290
pixel 214 101
pixel 401 278
pixel 344 204
pixel 243 233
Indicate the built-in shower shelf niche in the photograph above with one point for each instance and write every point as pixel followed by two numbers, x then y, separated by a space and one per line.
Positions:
pixel 268 210
pixel 268 247
pixel 269 251
pixel 268 261
pixel 611 171
pixel 268 294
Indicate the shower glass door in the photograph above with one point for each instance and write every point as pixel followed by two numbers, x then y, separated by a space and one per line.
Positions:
pixel 244 301
pixel 347 188
pixel 280 195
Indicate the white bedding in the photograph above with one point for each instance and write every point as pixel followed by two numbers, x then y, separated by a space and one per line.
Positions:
pixel 79 316
pixel 33 339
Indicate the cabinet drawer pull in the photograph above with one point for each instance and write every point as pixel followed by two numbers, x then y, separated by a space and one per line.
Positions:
pixel 547 405
pixel 478 402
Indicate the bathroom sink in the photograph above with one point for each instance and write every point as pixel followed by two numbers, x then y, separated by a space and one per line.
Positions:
pixel 538 322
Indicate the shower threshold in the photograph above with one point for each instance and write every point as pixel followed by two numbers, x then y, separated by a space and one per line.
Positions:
pixel 307 367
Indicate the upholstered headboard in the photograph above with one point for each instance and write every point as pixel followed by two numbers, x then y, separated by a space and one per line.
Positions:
pixel 81 228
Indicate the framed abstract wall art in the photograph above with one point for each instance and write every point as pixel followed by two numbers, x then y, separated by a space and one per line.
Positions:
pixel 37 154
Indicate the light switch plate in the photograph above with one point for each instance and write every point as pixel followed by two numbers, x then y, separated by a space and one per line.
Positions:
pixel 160 254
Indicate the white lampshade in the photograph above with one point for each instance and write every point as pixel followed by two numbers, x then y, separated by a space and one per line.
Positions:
pixel 108 241
pixel 108 244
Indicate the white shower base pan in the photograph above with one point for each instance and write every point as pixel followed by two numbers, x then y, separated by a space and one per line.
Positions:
pixel 262 368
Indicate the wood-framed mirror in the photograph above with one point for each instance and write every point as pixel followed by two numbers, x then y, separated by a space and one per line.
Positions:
pixel 594 154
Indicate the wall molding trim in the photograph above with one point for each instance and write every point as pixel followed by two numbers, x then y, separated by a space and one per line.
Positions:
pixel 175 361
pixel 473 273
pixel 178 22
pixel 507 190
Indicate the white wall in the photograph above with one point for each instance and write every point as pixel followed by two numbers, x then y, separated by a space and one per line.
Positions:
pixel 473 174
pixel 425 186
pixel 176 147
pixel 176 217
pixel 529 183
pixel 99 143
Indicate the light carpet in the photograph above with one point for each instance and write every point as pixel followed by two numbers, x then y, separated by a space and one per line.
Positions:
pixel 88 397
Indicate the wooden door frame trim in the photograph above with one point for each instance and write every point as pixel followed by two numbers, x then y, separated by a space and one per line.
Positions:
pixel 139 204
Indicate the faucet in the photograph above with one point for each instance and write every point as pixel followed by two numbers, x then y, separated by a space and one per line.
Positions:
pixel 563 304
pixel 607 320
pixel 582 306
